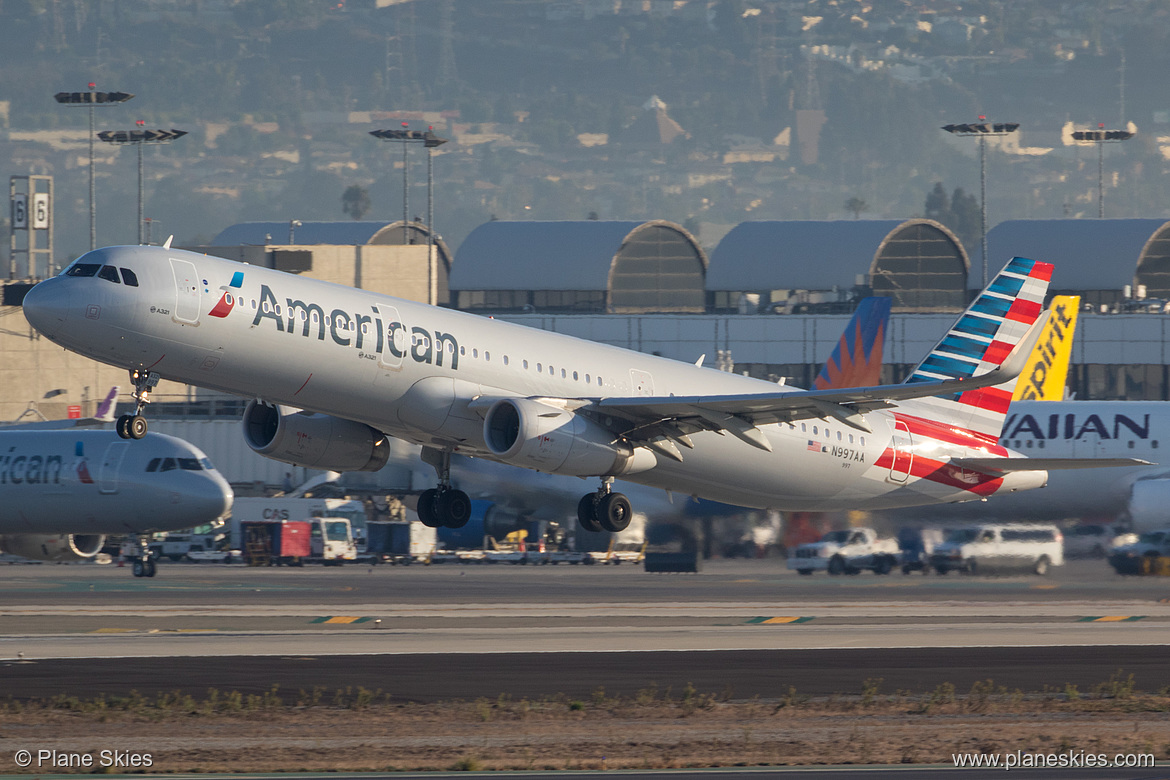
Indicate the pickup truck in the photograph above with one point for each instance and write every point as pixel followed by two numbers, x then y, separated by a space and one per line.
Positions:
pixel 846 552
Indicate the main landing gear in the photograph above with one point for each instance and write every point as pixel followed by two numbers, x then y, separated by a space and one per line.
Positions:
pixel 143 565
pixel 442 506
pixel 604 510
pixel 133 426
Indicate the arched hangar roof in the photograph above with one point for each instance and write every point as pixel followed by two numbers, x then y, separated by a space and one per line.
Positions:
pixel 639 266
pixel 1089 254
pixel 548 255
pixel 918 263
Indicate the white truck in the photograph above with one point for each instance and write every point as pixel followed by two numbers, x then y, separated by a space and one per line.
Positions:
pixel 846 552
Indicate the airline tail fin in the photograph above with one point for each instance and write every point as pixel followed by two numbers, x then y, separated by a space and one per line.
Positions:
pixel 980 341
pixel 105 410
pixel 857 359
pixel 1046 377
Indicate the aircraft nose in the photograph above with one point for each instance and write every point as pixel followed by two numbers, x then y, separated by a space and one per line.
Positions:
pixel 47 306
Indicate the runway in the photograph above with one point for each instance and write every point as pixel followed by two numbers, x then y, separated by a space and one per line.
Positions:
pixel 425 634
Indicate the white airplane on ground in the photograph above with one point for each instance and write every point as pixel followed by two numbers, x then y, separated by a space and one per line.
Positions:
pixel 332 370
pixel 63 491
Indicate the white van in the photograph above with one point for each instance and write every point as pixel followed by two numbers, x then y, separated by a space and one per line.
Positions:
pixel 1000 548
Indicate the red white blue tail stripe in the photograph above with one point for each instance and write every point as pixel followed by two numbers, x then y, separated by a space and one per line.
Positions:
pixel 982 338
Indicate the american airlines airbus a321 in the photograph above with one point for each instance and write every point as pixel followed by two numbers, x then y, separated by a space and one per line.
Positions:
pixel 63 491
pixel 332 370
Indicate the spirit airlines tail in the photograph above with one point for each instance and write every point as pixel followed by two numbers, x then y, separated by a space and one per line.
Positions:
pixel 62 492
pixel 333 369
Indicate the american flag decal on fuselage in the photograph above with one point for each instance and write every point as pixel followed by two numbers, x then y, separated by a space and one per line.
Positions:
pixel 983 337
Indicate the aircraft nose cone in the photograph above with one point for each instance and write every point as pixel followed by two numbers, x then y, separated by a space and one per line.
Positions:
pixel 46 307
pixel 214 500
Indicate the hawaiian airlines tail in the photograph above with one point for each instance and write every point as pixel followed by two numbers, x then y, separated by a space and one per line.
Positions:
pixel 857 359
pixel 981 340
pixel 1046 375
pixel 105 410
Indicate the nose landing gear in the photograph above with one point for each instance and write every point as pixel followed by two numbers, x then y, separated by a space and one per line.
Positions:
pixel 134 426
pixel 605 510
pixel 143 565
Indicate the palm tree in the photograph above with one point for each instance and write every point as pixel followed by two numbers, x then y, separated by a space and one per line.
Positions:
pixel 355 201
pixel 855 206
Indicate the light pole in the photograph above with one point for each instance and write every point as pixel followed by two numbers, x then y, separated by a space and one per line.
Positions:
pixel 139 138
pixel 91 99
pixel 983 129
pixel 429 141
pixel 1101 136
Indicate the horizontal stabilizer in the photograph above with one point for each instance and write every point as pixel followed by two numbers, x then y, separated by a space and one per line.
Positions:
pixel 1045 464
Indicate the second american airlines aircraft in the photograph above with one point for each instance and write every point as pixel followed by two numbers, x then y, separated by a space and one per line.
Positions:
pixel 333 369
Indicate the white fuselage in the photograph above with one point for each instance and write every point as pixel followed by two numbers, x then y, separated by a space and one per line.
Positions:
pixel 93 482
pixel 415 372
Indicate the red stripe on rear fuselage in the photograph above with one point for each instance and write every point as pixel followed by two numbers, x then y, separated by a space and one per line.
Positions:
pixel 952 434
pixel 993 399
pixel 945 473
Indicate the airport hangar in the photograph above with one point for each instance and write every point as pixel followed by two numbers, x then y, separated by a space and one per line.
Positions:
pixel 771 299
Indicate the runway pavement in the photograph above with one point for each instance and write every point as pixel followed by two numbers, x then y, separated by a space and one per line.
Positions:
pixel 462 632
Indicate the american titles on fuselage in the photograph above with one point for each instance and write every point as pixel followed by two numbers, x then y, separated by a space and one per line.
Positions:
pixel 16 469
pixel 392 340
pixel 1074 426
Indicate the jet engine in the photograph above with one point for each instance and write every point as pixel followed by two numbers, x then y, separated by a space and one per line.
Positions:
pixel 539 436
pixel 53 547
pixel 1149 505
pixel 318 441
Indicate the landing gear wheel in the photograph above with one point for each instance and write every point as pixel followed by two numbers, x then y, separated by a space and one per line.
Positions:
pixel 426 508
pixel 587 513
pixel 138 568
pixel 149 568
pixel 136 426
pixel 453 508
pixel 123 426
pixel 614 512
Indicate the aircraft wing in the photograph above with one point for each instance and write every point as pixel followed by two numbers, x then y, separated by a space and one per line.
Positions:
pixel 740 414
pixel 1045 464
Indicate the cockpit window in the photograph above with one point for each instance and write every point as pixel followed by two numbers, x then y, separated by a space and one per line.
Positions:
pixel 153 465
pixel 189 464
pixel 168 464
pixel 206 463
pixel 110 274
pixel 83 269
pixel 129 277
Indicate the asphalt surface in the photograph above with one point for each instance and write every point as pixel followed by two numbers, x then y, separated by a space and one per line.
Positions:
pixel 469 631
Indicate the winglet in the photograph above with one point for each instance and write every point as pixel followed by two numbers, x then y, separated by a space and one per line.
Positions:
pixel 167 243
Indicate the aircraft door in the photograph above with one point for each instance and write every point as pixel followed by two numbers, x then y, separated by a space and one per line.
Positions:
pixel 901 443
pixel 111 465
pixel 186 292
pixel 641 383
pixel 395 339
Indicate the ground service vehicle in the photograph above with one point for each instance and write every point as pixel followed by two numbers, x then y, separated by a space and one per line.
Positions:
pixel 983 549
pixel 846 552
pixel 1140 557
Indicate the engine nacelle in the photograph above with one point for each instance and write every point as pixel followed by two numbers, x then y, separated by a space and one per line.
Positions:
pixel 317 441
pixel 54 547
pixel 1149 505
pixel 539 436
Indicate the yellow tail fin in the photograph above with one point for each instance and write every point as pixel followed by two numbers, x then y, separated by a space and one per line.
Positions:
pixel 1047 372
